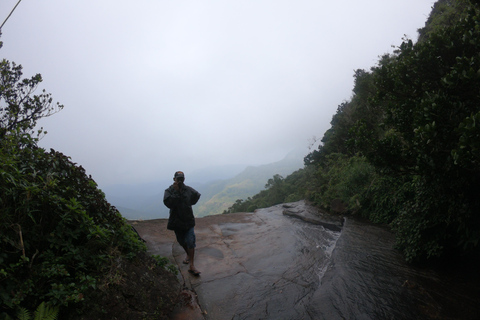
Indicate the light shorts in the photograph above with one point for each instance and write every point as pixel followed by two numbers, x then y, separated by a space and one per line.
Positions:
pixel 186 238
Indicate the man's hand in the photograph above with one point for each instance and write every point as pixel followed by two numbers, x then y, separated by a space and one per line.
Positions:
pixel 176 186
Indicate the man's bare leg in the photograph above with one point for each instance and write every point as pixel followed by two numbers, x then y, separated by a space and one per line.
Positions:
pixel 187 259
pixel 191 257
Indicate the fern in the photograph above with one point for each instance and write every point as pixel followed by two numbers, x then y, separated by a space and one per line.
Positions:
pixel 43 312
pixel 23 314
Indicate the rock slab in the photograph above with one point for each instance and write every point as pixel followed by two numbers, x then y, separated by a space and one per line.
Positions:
pixel 293 262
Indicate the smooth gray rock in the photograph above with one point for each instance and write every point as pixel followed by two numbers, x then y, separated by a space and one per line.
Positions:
pixel 293 262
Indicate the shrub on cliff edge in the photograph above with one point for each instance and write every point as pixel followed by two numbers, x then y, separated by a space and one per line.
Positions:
pixel 58 234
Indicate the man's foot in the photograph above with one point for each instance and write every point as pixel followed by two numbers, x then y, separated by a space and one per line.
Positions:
pixel 186 261
pixel 195 272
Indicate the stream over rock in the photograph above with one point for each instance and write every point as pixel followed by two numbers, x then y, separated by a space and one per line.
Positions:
pixel 291 261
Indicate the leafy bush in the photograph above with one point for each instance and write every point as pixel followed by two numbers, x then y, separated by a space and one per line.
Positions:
pixel 386 197
pixel 57 231
pixel 344 179
pixel 429 93
pixel 405 149
pixel 163 262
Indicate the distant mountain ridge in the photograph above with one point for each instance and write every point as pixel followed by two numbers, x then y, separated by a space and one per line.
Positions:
pixel 217 197
pixel 144 202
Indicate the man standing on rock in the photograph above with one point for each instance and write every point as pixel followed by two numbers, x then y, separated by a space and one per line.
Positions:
pixel 180 198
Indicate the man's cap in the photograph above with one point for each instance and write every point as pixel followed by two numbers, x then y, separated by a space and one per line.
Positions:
pixel 179 174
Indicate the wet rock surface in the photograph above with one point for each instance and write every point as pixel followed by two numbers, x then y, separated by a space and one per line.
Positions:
pixel 293 262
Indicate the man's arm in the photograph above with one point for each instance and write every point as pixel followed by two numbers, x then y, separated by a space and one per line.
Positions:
pixel 195 196
pixel 171 198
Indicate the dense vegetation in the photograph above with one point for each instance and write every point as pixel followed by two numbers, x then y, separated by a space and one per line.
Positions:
pixel 405 150
pixel 59 238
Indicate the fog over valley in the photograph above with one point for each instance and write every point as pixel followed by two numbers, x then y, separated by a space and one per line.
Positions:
pixel 145 201
pixel 206 87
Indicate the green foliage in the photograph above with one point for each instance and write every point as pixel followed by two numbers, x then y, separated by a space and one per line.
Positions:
pixel 19 108
pixel 163 262
pixel 430 97
pixel 338 139
pixel 405 149
pixel 444 13
pixel 345 179
pixel 415 119
pixel 57 231
pixel 278 190
pixel 217 196
pixel 385 198
pixel 43 312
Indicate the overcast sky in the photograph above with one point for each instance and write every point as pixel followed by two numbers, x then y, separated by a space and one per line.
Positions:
pixel 154 86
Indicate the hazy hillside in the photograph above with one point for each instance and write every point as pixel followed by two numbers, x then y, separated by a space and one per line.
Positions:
pixel 217 197
pixel 146 201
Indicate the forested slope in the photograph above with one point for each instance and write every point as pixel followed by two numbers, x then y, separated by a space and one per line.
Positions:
pixel 405 149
